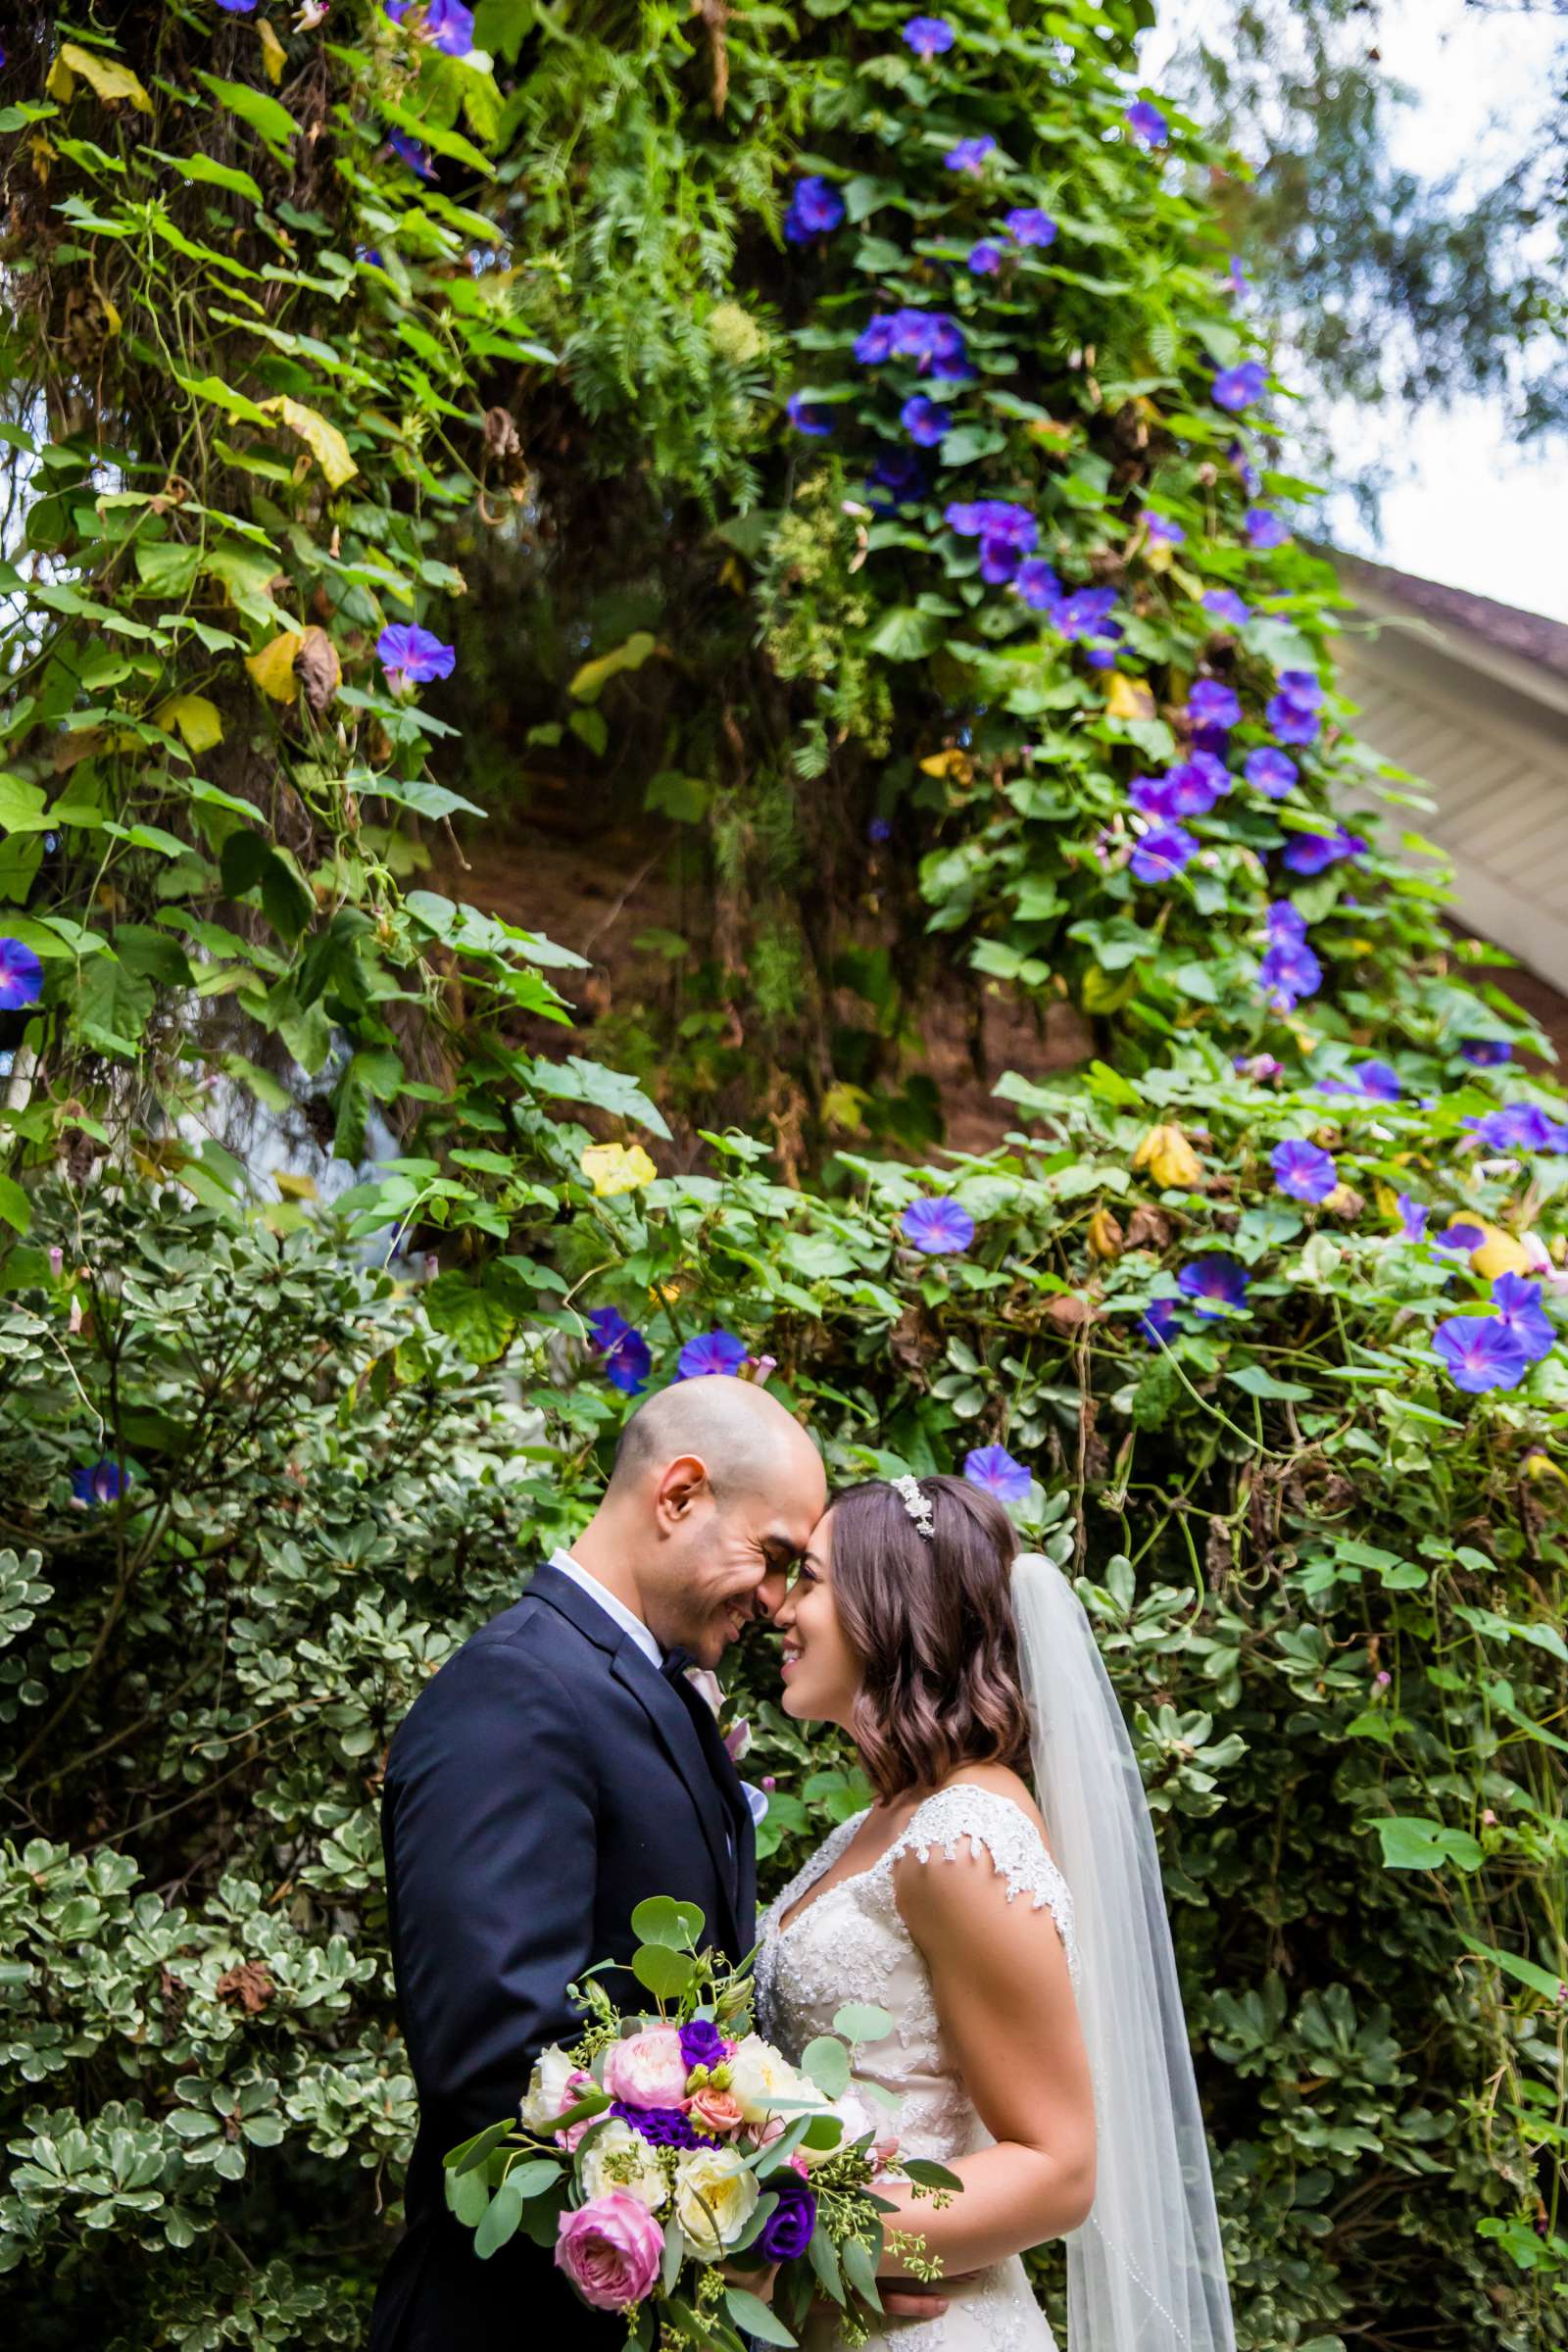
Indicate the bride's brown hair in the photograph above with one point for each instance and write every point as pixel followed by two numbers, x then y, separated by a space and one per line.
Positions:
pixel 930 1620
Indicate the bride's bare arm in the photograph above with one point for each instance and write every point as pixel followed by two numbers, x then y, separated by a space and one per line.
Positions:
pixel 999 1975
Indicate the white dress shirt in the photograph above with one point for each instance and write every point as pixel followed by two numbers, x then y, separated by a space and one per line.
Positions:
pixel 612 1606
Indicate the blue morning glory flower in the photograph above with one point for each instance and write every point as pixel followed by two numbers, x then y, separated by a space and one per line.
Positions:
pixel 1224 605
pixel 1038 585
pixel 815 210
pixel 1213 704
pixel 414 655
pixel 1194 784
pixel 1006 533
pixel 1303 687
pixel 1027 225
pixel 628 1361
pixel 985 259
pixel 1161 531
pixel 878 831
pixel 1271 771
pixel 969 155
pixel 1285 921
pixel 900 473
pixel 710 1352
pixel 1520 1127
pixel 1302 1170
pixel 994 1468
pixel 937 1227
pixel 1086 614
pixel 410 152
pixel 1287 972
pixel 1160 1321
pixel 98 1482
pixel 807 417
pixel 1236 388
pixel 1518 1303
pixel 1485 1052
pixel 1315 852
pixel 1236 277
pixel 1462 1238
pixel 21 975
pixel 1214 1283
pixel 1289 722
pixel 446 24
pixel 1146 124
pixel 931 338
pixel 1480 1353
pixel 1264 529
pixel 928 37
pixel 1161 853
pixel 1413 1215
pixel 924 419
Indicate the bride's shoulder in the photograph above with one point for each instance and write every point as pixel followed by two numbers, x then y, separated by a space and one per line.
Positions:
pixel 985 1817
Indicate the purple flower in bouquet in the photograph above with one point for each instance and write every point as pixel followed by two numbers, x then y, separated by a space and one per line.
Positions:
pixel 1413 1215
pixel 1038 585
pixel 1290 971
pixel 928 37
pixel 1027 225
pixel 1161 531
pixel 937 1227
pixel 1196 783
pixel 702 2043
pixel 994 1468
pixel 1161 1320
pixel 1006 533
pixel 1485 1052
pixel 611 2249
pixel 1236 388
pixel 1224 605
pixel 787 2232
pixel 1480 1353
pixel 1146 124
pixel 815 210
pixel 627 1358
pixel 1302 1170
pixel 1313 852
pixel 1264 530
pixel 1086 614
pixel 1518 1303
pixel 98 1482
pixel 409 151
pixel 445 22
pixel 710 1352
pixel 1271 771
pixel 1161 853
pixel 412 656
pixel 21 975
pixel 807 417
pixel 1210 703
pixel 925 419
pixel 662 2126
pixel 1214 1283
pixel 985 258
pixel 969 155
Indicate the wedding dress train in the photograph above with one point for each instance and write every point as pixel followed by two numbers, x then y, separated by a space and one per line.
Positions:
pixel 851 1944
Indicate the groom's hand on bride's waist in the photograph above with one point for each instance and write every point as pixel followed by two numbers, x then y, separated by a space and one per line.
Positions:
pixel 910 2299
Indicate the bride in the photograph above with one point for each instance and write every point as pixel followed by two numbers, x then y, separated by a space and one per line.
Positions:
pixel 1021 1948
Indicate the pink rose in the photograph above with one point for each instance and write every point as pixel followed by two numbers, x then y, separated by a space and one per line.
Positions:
pixel 713 2110
pixel 647 2071
pixel 579 2084
pixel 611 2250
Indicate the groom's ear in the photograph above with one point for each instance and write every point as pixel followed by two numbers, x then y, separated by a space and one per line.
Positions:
pixel 680 1483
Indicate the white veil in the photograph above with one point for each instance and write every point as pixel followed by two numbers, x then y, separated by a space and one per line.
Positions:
pixel 1145 2272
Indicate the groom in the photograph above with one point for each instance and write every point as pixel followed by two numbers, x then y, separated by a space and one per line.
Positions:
pixel 559 1769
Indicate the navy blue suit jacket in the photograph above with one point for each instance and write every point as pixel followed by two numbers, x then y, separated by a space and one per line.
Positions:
pixel 545 1782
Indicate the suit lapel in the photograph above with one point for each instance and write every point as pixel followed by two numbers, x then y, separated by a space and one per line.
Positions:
pixel 677 1734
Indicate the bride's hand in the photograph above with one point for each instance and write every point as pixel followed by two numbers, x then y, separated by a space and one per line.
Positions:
pixel 760 2283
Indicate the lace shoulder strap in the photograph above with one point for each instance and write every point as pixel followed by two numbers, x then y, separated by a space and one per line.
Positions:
pixel 994 1825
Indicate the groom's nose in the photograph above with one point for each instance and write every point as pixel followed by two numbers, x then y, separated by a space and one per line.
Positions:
pixel 770 1593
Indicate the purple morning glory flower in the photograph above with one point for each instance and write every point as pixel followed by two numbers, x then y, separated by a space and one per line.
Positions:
pixel 901 474
pixel 928 37
pixel 1518 1303
pixel 1146 124
pixel 1236 388
pixel 21 975
pixel 1303 1171
pixel 815 210
pixel 969 155
pixel 994 1468
pixel 985 259
pixel 628 1360
pixel 410 152
pixel 1038 585
pixel 445 22
pixel 1027 225
pixel 710 1352
pixel 1161 531
pixel 1236 277
pixel 98 1482
pixel 1379 1081
pixel 931 338
pixel 1193 785
pixel 1480 1353
pixel 1485 1052
pixel 1286 923
pixel 1213 704
pixel 1413 1215
pixel 1161 853
pixel 1271 771
pixel 874 342
pixel 1006 533
pixel 1214 1283
pixel 1160 1321
pixel 1246 472
pixel 1287 972
pixel 237 8
pixel 1223 603
pixel 1313 852
pixel 1462 1238
pixel 1289 722
pixel 411 655
pixel 1264 529
pixel 1520 1127
pixel 807 417
pixel 788 2230
pixel 1154 798
pixel 1086 614
pixel 1261 1068
pixel 1303 687
pixel 878 830
pixel 937 1227
pixel 925 419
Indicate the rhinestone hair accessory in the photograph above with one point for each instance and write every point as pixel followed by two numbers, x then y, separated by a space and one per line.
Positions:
pixel 907 1490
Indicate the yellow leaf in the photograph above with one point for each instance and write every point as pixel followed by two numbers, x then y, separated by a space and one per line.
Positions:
pixel 295 1187
pixel 614 1168
pixel 1106 1237
pixel 324 441
pixel 1168 1157
pixel 594 675
pixel 1498 1253
pixel 1128 698
pixel 194 718
pixel 273 667
pixel 1537 1464
pixel 954 766
pixel 275 57
pixel 107 79
pixel 840 1106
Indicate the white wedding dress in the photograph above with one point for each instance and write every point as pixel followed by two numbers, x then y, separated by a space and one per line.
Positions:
pixel 851 1944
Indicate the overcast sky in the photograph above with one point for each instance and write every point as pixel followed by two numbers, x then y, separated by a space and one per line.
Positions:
pixel 1469 509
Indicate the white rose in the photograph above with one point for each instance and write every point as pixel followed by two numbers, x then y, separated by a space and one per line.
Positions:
pixel 549 2092
pixel 765 2084
pixel 855 2121
pixel 617 2157
pixel 716 2196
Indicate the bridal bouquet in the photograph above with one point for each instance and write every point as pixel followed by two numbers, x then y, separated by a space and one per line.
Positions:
pixel 668 2156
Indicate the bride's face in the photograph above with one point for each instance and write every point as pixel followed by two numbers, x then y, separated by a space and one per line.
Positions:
pixel 822 1673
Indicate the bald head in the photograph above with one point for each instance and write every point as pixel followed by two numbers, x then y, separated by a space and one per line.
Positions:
pixel 748 1443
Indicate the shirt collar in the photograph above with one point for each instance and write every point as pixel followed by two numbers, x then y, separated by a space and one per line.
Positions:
pixel 613 1608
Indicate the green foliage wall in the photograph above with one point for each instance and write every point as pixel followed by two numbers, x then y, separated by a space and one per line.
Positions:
pixel 301 386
